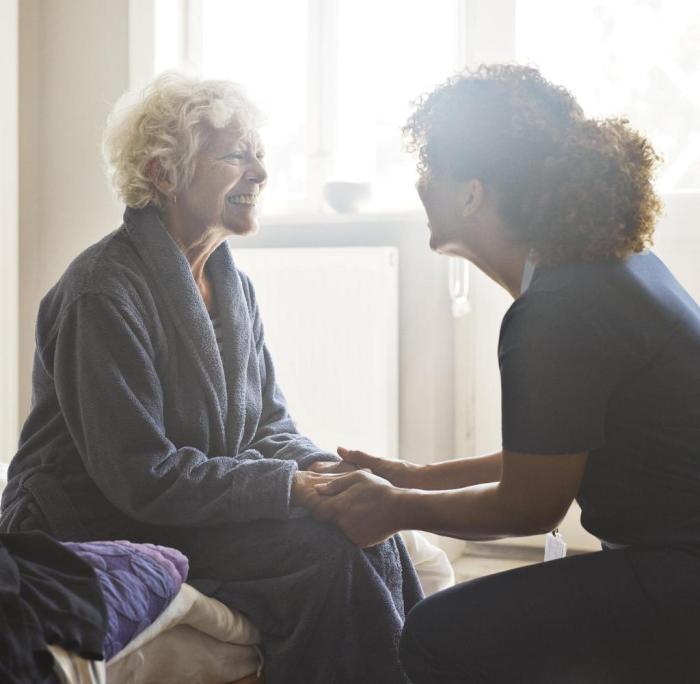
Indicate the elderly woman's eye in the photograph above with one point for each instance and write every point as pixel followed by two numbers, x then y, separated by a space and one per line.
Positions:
pixel 235 156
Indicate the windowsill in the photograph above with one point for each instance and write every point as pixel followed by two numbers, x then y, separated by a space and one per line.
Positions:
pixel 343 219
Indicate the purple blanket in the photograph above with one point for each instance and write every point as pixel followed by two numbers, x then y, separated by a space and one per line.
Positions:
pixel 138 581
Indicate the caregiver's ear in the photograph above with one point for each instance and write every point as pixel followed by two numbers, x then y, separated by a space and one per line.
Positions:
pixel 472 196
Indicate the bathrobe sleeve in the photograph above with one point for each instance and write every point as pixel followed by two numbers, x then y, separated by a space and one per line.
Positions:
pixel 112 401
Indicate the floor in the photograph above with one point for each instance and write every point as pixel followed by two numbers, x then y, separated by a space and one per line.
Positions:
pixel 482 559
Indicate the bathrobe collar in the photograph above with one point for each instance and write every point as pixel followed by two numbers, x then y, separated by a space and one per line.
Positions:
pixel 178 291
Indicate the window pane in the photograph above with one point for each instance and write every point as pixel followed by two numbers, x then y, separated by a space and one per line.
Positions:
pixel 631 57
pixel 263 45
pixel 371 60
pixel 389 52
pixel 167 48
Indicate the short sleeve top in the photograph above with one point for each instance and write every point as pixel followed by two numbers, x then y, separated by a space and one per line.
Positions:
pixel 604 357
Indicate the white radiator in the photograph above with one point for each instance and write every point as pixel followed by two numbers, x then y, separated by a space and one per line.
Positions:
pixel 331 324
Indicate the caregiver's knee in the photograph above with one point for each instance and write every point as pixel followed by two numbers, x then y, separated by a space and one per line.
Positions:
pixel 434 621
pixel 418 648
pixel 432 649
pixel 422 627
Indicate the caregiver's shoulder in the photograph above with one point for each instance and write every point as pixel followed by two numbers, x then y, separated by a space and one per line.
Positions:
pixel 639 286
pixel 632 304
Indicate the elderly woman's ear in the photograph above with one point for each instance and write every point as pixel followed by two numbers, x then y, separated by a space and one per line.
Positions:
pixel 158 177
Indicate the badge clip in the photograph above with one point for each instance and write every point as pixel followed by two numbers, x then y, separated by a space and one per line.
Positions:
pixel 554 546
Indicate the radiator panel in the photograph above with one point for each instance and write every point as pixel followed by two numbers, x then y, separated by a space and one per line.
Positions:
pixel 331 324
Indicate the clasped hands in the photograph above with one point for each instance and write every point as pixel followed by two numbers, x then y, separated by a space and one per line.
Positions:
pixel 361 494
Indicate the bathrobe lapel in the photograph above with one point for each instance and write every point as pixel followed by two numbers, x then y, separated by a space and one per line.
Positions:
pixel 240 362
pixel 176 289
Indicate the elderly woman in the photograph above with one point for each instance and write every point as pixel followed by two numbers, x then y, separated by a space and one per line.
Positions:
pixel 156 415
pixel 599 357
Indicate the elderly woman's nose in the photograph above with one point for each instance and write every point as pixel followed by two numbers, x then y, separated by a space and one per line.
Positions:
pixel 258 172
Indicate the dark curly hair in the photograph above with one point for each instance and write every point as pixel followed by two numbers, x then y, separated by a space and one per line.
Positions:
pixel 571 188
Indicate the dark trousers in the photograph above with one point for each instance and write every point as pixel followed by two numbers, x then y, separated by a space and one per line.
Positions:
pixel 630 615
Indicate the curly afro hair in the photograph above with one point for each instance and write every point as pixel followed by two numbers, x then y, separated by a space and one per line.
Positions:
pixel 571 188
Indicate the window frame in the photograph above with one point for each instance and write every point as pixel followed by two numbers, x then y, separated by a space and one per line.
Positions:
pixel 496 16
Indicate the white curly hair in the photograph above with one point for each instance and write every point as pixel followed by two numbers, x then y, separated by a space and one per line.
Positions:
pixel 167 122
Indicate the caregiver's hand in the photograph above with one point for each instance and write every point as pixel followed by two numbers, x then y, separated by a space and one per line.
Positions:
pixel 361 504
pixel 399 473
pixel 335 467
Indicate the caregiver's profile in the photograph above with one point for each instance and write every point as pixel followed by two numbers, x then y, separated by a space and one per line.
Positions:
pixel 600 367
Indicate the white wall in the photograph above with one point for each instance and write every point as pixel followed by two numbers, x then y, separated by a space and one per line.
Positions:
pixel 426 328
pixel 677 238
pixel 74 63
pixel 9 67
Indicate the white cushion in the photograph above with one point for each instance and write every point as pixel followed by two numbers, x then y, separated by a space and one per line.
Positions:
pixel 432 564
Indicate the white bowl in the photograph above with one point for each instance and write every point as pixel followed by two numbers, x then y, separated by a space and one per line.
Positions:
pixel 346 197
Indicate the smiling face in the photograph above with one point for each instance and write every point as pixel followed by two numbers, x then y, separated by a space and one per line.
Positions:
pixel 228 179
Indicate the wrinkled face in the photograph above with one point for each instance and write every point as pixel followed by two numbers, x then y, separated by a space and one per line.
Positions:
pixel 228 179
pixel 443 202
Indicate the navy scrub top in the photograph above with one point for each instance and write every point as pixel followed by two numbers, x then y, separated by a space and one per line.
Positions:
pixel 604 357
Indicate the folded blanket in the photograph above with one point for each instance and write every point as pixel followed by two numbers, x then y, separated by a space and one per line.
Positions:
pixel 138 581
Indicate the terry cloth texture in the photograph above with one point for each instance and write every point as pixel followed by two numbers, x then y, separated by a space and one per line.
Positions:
pixel 141 429
pixel 327 611
pixel 135 412
pixel 48 595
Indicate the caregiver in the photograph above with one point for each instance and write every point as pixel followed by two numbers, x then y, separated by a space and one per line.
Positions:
pixel 156 415
pixel 600 368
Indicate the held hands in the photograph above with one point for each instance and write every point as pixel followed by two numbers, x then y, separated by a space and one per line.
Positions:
pixel 335 467
pixel 357 494
pixel 303 492
pixel 364 506
pixel 304 487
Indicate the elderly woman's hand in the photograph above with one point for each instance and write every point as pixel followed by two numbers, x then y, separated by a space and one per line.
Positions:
pixel 363 505
pixel 304 487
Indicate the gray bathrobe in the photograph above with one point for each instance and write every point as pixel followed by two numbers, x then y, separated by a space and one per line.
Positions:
pixel 141 428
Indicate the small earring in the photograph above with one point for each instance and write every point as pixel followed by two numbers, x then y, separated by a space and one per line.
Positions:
pixel 173 199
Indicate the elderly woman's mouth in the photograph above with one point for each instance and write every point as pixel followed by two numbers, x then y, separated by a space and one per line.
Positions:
pixel 242 199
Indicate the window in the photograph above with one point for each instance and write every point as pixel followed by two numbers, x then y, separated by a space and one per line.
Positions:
pixel 334 77
pixel 638 58
pixel 263 45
